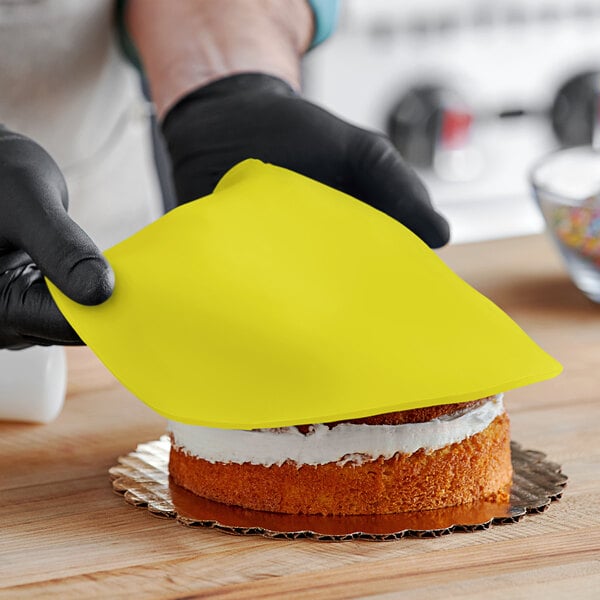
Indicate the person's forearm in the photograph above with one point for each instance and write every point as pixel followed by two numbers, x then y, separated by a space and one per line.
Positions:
pixel 189 43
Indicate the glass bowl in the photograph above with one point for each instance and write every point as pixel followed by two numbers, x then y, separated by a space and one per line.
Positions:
pixel 566 186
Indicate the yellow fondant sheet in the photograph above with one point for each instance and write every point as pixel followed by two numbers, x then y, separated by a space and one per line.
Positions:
pixel 278 301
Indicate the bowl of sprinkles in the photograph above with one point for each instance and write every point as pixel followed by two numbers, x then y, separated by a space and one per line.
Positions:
pixel 566 186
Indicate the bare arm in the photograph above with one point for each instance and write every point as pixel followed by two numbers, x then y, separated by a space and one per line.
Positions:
pixel 189 43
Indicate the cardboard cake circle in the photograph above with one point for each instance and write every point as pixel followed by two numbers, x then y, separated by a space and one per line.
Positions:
pixel 142 478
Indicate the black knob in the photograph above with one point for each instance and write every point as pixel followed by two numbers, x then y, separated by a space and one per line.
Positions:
pixel 575 109
pixel 424 118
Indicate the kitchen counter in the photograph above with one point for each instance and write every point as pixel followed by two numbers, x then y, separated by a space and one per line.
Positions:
pixel 65 534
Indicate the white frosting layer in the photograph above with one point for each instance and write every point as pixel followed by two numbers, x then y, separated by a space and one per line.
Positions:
pixel 342 443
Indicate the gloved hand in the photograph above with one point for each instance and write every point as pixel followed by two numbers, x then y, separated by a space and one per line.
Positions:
pixel 258 116
pixel 38 237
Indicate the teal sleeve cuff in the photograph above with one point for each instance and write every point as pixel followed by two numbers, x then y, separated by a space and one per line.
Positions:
pixel 326 16
pixel 325 12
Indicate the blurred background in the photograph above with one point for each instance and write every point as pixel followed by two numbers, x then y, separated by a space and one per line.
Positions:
pixel 472 92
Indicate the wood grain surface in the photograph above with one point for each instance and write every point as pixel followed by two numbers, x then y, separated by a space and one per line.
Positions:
pixel 65 534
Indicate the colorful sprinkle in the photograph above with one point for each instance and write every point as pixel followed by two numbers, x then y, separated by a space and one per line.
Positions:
pixel 579 227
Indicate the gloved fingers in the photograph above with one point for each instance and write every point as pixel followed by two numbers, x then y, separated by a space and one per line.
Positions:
pixel 382 179
pixel 49 323
pixel 67 256
pixel 13 259
pixel 29 314
pixel 34 219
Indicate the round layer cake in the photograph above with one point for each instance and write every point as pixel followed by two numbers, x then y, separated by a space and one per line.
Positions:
pixel 405 461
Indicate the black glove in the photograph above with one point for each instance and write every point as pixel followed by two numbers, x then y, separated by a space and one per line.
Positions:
pixel 36 230
pixel 259 116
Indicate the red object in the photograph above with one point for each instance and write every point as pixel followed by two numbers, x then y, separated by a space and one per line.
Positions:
pixel 455 130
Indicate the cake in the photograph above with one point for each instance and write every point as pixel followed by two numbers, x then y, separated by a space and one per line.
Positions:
pixel 413 460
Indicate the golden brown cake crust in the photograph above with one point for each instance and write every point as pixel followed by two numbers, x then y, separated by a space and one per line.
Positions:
pixel 477 468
